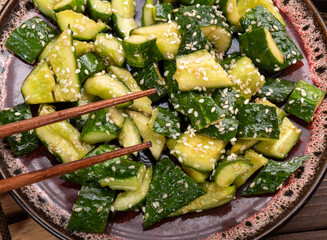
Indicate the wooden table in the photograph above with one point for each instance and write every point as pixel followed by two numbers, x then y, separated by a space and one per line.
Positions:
pixel 309 223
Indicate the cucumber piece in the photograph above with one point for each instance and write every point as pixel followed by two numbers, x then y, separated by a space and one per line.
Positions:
pixel 99 10
pixel 170 189
pixel 132 199
pixel 169 71
pixel 61 138
pixel 193 40
pixel 46 7
pixel 246 77
pixel 39 86
pixel 257 161
pixel 216 196
pixel 261 17
pixel 246 5
pixel 125 8
pixel 90 64
pixel 141 51
pixel 200 71
pixel 288 48
pixel 165 122
pixel 273 175
pixel 230 60
pixel 91 210
pixel 117 115
pixel 142 123
pixel 220 37
pixel 150 77
pixel 82 47
pixel 170 143
pixel 197 176
pixel 45 53
pixel 198 151
pixel 148 14
pixel 83 27
pixel 281 114
pixel 105 87
pixel 109 48
pixel 227 171
pixel 304 100
pixel 163 12
pixel 225 129
pixel 141 104
pixel 230 10
pixel 20 143
pixel 30 38
pixel 95 173
pixel 260 46
pixel 194 2
pixel 257 122
pixel 129 135
pixel 289 135
pixel 75 5
pixel 63 62
pixel 276 89
pixel 168 37
pixel 228 100
pixel 123 26
pixel 124 175
pixel 99 128
pixel 201 109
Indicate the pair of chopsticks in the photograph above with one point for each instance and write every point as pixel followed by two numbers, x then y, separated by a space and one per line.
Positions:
pixel 58 170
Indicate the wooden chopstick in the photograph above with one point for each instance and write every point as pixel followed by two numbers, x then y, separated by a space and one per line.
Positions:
pixel 19 181
pixel 36 122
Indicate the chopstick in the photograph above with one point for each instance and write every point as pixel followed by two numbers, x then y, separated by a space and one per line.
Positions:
pixel 36 122
pixel 19 181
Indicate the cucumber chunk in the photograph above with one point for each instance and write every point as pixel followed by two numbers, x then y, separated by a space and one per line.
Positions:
pixel 99 128
pixel 227 171
pixel 129 135
pixel 194 2
pixel 91 210
pixel 142 123
pixel 75 5
pixel 105 87
pixel 220 37
pixel 198 151
pixel 124 8
pixel 225 129
pixel 216 196
pixel 140 51
pixel 117 115
pixel 45 53
pixel 304 100
pixel 61 138
pixel 123 26
pixel 273 175
pixel 20 143
pixel 109 48
pixel 163 12
pixel 241 145
pixel 30 38
pixel 168 37
pixel 124 175
pixel 281 114
pixel 90 64
pixel 82 47
pixel 46 7
pixel 99 10
pixel 257 161
pixel 40 85
pixel 169 71
pixel 230 10
pixel 199 71
pixel 83 27
pixel 170 189
pixel 133 199
pixel 197 176
pixel 148 13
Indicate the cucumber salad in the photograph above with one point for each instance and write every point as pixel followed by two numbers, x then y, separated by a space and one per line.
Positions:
pixel 219 116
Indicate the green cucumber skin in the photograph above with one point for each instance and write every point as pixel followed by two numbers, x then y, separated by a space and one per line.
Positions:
pixel 107 126
pixel 163 11
pixel 75 5
pixel 91 210
pixel 225 129
pixel 164 117
pixel 194 2
pixel 276 89
pixel 95 14
pixel 261 17
pixel 230 59
pixel 30 38
pixel 191 36
pixel 255 120
pixel 272 175
pixel 170 189
pixel 147 52
pixel 311 100
pixel 21 143
pixel 169 71
pixel 148 78
pixel 90 64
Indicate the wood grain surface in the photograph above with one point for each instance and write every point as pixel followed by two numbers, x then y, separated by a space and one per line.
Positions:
pixel 309 223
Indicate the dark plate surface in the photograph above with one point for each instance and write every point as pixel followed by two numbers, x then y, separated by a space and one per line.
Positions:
pixel 50 202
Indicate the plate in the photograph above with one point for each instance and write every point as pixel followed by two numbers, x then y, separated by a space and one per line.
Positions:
pixel 50 202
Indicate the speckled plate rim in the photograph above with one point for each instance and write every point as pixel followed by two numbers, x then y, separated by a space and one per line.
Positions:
pixel 291 211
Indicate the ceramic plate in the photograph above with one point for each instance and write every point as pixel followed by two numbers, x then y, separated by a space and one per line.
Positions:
pixel 50 202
